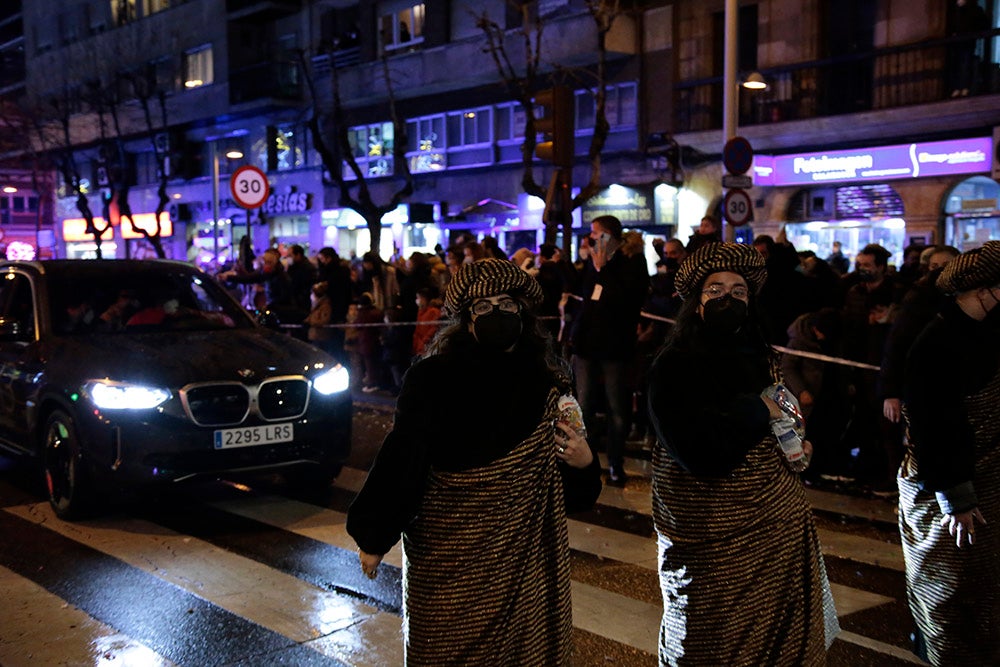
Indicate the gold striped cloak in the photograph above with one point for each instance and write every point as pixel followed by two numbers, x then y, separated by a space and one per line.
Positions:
pixel 486 562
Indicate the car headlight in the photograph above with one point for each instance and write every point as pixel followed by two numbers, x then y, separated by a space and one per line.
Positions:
pixel 109 395
pixel 333 381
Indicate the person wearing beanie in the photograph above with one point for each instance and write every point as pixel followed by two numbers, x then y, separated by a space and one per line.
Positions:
pixel 949 481
pixel 476 477
pixel 727 506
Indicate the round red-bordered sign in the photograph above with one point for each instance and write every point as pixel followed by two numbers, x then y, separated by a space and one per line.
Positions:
pixel 249 186
pixel 737 156
pixel 737 206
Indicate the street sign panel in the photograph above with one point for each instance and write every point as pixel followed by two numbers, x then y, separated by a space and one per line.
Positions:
pixel 737 155
pixel 742 181
pixel 249 187
pixel 737 206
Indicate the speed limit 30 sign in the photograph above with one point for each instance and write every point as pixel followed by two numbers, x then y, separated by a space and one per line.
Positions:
pixel 737 206
pixel 249 187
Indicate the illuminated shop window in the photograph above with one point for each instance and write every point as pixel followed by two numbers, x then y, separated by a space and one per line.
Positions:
pixel 402 26
pixel 198 67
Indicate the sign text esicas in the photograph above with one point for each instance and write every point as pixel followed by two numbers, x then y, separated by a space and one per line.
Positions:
pixel 287 202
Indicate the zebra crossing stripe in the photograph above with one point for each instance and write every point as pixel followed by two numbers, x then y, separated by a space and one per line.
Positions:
pixel 40 628
pixel 181 626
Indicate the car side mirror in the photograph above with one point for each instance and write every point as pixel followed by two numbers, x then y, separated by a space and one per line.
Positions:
pixel 14 329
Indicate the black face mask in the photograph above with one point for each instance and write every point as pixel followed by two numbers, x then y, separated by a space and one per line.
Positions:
pixel 724 315
pixel 672 263
pixel 993 315
pixel 497 330
pixel 866 276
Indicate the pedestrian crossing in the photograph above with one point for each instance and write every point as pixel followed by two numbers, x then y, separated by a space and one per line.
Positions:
pixel 256 577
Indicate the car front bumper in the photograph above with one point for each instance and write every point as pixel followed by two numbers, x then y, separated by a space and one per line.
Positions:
pixel 135 449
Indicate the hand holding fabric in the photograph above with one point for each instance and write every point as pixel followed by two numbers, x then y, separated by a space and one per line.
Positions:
pixel 962 526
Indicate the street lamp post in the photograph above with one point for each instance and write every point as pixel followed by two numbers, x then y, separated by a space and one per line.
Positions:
pixel 231 154
pixel 215 207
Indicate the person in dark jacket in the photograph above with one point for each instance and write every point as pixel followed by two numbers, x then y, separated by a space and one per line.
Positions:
pixel 477 477
pixel 818 386
pixel 613 289
pixel 709 231
pixel 274 288
pixel 302 275
pixel 335 275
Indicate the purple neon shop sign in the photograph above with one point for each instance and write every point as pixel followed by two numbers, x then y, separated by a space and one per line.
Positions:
pixel 935 158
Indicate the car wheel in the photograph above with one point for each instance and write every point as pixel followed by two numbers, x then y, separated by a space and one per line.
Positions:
pixel 65 473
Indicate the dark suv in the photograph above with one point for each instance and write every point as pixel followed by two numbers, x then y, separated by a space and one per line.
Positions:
pixel 137 372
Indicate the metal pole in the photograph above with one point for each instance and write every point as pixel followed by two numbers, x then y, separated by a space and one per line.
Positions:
pixel 215 206
pixel 730 89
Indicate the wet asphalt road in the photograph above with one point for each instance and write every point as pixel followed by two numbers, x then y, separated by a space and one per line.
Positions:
pixel 114 570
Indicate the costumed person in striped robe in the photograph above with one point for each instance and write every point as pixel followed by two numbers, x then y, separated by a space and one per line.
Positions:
pixel 741 573
pixel 949 482
pixel 477 475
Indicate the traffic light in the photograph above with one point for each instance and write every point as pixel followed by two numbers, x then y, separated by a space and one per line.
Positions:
pixel 556 123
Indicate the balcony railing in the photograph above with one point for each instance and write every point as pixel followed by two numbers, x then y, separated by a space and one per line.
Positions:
pixel 273 80
pixel 928 71
pixel 268 8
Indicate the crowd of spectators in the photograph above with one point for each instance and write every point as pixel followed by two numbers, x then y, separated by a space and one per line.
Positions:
pixel 386 313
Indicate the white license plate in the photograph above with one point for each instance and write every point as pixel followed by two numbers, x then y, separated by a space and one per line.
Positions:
pixel 248 436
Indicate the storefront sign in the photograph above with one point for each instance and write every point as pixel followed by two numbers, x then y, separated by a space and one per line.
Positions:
pixel 633 207
pixel 288 202
pixel 75 229
pixel 918 160
pixel 147 221
pixel 19 251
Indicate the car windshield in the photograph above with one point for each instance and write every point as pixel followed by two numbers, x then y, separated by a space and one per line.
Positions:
pixel 139 300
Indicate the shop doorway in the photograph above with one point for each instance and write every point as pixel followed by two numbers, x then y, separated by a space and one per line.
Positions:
pixel 852 215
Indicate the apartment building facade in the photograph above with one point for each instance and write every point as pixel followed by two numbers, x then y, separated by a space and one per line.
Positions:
pixel 855 88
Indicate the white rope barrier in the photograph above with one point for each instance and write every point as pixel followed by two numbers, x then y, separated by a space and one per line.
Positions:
pixel 650 316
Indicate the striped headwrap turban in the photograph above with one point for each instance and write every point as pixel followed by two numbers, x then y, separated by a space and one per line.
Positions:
pixel 489 277
pixel 714 257
pixel 971 270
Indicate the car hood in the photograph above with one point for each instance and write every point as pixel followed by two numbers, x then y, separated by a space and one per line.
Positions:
pixel 178 358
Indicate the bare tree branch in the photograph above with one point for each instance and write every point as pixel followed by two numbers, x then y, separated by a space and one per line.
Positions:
pixel 341 152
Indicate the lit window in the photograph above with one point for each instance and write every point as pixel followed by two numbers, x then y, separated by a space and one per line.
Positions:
pixel 427 143
pixel 153 6
pixel 470 127
pixel 403 27
pixel 123 11
pixel 198 67
pixel 372 147
pixel 288 147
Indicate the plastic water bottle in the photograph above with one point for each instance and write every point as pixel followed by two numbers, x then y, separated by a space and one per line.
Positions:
pixel 790 406
pixel 791 443
pixel 790 429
